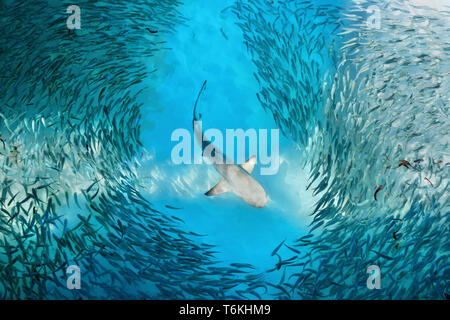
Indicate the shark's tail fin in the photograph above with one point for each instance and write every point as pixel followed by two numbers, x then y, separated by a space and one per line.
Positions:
pixel 198 115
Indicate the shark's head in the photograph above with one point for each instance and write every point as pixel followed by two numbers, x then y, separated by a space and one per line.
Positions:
pixel 238 180
pixel 256 198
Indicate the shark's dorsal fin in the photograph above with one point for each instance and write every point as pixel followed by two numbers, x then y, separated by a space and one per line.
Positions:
pixel 249 164
pixel 219 188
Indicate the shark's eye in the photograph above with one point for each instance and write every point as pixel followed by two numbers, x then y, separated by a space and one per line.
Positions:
pixel 200 115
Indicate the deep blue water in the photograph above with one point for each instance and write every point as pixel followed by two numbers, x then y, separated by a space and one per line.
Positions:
pixel 199 51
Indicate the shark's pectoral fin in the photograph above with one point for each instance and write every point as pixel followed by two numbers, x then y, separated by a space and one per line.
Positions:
pixel 249 164
pixel 219 188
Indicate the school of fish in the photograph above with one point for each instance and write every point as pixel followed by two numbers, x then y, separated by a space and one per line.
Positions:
pixel 373 126
pixel 69 155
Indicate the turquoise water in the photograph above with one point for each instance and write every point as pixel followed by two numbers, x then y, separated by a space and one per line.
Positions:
pixel 199 51
pixel 87 178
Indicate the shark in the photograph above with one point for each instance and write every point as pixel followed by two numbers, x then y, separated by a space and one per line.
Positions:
pixel 236 179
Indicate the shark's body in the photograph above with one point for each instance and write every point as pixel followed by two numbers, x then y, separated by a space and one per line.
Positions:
pixel 234 178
